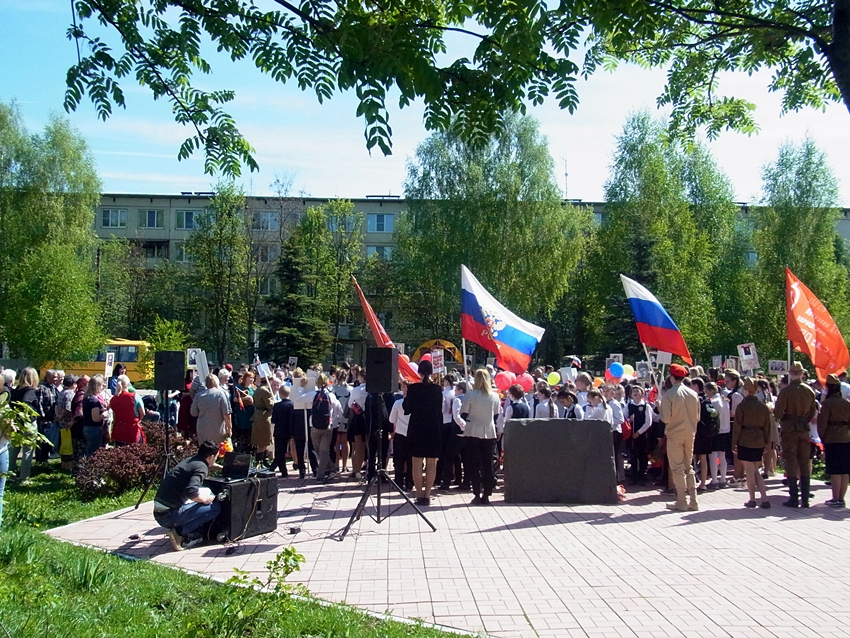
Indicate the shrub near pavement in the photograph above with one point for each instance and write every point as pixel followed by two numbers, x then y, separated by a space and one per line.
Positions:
pixel 114 470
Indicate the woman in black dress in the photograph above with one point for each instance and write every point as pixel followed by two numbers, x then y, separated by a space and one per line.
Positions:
pixel 424 404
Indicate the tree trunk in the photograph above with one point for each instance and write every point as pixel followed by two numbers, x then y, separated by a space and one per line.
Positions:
pixel 838 53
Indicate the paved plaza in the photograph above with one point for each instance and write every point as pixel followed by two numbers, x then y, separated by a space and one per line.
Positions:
pixel 632 569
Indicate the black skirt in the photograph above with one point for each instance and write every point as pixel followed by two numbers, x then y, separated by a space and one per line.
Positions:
pixel 752 454
pixel 722 442
pixel 703 444
pixel 837 458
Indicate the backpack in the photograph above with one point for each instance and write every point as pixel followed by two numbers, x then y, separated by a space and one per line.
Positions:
pixel 320 416
pixel 709 418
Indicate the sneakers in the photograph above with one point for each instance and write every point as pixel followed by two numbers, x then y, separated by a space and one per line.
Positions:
pixel 765 505
pixel 835 504
pixel 175 538
pixel 750 504
pixel 191 540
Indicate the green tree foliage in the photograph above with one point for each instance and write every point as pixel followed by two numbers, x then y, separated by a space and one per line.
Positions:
pixel 124 288
pixel 421 51
pixel 494 208
pixel 48 192
pixel 346 250
pixel 218 248
pixel 655 233
pixel 795 228
pixel 805 44
pixel 163 335
pixel 295 324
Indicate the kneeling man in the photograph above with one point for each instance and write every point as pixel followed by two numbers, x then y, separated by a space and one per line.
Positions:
pixel 181 506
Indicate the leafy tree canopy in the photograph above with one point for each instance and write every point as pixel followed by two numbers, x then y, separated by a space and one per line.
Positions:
pixel 522 54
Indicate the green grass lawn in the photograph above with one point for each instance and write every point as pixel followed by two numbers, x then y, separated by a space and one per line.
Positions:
pixel 53 589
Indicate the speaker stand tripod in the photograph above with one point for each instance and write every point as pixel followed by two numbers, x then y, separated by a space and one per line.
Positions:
pixel 167 458
pixel 381 476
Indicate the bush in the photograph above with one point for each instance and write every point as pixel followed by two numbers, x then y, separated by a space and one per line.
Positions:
pixel 115 470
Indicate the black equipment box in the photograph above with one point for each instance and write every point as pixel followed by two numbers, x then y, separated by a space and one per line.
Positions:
pixel 248 506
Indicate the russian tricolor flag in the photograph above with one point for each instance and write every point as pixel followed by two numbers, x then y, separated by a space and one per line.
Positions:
pixel 495 328
pixel 655 327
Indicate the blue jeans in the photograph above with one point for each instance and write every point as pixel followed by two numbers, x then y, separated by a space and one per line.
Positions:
pixel 4 468
pixel 52 433
pixel 26 461
pixel 94 438
pixel 188 517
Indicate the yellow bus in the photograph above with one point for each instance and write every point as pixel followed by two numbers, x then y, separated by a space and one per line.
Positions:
pixel 126 351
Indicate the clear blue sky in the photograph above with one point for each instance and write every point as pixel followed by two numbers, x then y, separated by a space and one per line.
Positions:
pixel 323 147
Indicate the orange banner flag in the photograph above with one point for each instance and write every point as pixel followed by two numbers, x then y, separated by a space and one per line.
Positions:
pixel 382 339
pixel 812 330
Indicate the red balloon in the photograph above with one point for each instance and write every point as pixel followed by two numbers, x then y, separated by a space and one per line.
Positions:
pixel 526 381
pixel 426 357
pixel 504 380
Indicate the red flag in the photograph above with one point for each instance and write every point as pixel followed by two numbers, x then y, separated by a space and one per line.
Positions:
pixel 812 330
pixel 382 339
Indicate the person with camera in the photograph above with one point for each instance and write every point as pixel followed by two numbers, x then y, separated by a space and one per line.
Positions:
pixel 182 505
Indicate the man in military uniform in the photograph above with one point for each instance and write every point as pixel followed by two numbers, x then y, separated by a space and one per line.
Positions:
pixel 680 411
pixel 795 407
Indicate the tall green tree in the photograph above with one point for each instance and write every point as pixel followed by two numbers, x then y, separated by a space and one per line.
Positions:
pixel 218 248
pixel 652 232
pixel 523 52
pixel 48 192
pixel 494 208
pixel 795 228
pixel 295 323
pixel 346 250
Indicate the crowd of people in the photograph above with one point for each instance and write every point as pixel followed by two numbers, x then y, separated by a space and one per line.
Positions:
pixel 691 432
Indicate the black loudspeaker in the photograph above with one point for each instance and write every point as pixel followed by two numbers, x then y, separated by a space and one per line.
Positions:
pixel 169 370
pixel 381 370
pixel 248 507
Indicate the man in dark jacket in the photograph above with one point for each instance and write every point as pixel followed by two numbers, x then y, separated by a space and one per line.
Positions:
pixel 182 505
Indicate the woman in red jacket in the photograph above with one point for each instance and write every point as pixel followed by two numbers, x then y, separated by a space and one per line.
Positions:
pixel 126 413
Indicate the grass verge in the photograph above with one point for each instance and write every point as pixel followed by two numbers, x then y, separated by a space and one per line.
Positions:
pixel 51 588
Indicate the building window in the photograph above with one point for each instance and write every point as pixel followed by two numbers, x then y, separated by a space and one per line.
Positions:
pixel 384 252
pixel 597 218
pixel 267 286
pixel 181 256
pixel 380 223
pixel 265 220
pixel 150 218
pixel 114 218
pixel 267 253
pixel 156 251
pixel 185 219
pixel 751 258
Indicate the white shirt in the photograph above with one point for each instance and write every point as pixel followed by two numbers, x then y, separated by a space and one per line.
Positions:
pixel 576 409
pixel 640 428
pixel 616 415
pixel 601 412
pixel 845 390
pixel 358 396
pixel 398 418
pixel 336 411
pixel 722 406
pixel 457 402
pixel 546 409
pixel 448 397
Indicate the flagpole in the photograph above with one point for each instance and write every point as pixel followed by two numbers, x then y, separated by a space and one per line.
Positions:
pixel 465 369
pixel 788 368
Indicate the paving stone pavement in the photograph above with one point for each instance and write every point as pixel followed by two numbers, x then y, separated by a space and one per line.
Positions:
pixel 632 569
